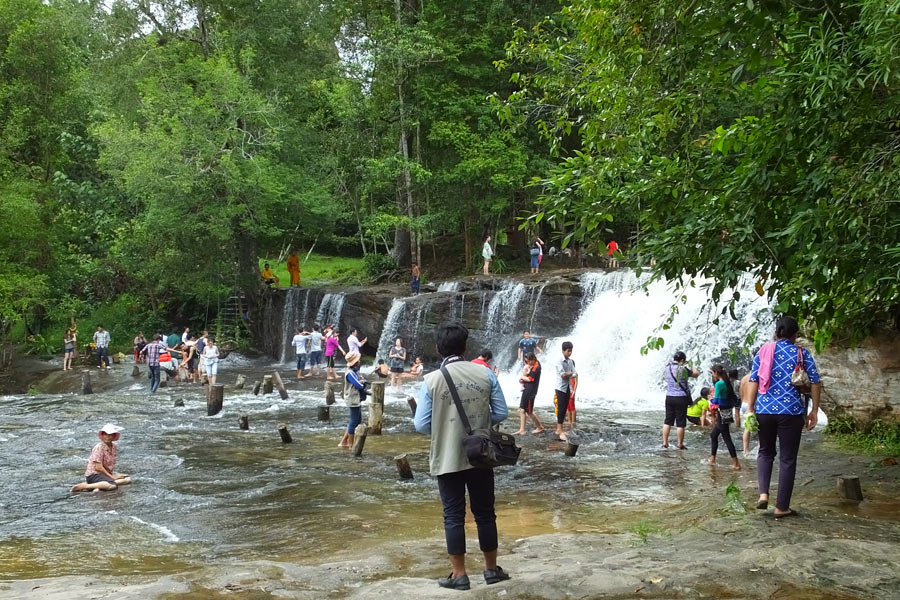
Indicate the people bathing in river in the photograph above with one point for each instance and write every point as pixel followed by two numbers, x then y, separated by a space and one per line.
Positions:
pixel 381 369
pixel 211 355
pixel 101 342
pixel 530 381
pixel 300 342
pixel 722 407
pixel 354 394
pixel 137 344
pixel 332 345
pixel 487 253
pixel 678 397
pixel 397 356
pixel 152 352
pixel 100 473
pixel 479 392
pixel 69 341
pixel 527 345
pixel 565 387
pixel 780 410
pixel 315 351
pixel 698 412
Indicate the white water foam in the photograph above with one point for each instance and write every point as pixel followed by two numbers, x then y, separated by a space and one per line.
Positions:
pixel 165 531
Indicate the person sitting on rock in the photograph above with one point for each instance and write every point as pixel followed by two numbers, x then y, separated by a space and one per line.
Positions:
pixel 268 276
pixel 101 468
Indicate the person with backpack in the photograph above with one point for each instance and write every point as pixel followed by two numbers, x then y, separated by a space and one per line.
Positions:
pixel 678 397
pixel 722 405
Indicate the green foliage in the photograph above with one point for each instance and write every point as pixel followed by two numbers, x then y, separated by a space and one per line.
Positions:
pixel 321 269
pixel 734 500
pixel 731 138
pixel 378 264
pixel 643 530
pixel 880 438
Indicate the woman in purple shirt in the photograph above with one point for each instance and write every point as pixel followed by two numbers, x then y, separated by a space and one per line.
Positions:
pixel 678 397
pixel 332 344
pixel 780 410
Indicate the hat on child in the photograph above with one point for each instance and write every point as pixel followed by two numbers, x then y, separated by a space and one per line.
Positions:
pixel 110 429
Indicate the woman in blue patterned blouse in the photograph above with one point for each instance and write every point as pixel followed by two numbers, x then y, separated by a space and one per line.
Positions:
pixel 781 410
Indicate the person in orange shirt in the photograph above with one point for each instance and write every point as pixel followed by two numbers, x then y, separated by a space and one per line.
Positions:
pixel 293 267
pixel 268 276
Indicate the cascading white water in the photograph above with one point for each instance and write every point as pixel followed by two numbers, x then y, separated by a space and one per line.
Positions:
pixel 330 310
pixel 391 327
pixel 448 286
pixel 617 319
pixel 502 317
pixel 296 303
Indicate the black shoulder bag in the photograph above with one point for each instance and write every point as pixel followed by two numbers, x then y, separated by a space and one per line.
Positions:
pixel 485 448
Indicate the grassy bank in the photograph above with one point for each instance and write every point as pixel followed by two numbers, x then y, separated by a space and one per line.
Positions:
pixel 881 438
pixel 320 269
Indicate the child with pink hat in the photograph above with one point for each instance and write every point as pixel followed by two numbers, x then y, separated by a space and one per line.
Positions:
pixel 101 468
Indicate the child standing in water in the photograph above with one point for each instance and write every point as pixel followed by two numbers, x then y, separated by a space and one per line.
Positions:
pixel 723 401
pixel 530 380
pixel 101 468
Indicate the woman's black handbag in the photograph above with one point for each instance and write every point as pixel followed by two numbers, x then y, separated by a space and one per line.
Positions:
pixel 485 448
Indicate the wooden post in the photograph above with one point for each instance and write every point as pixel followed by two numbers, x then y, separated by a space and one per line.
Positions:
pixel 179 402
pixel 214 399
pixel 244 421
pixel 239 382
pixel 86 387
pixel 403 467
pixel 412 404
pixel 849 488
pixel 267 384
pixel 183 374
pixel 359 439
pixel 135 371
pixel 163 383
pixel 332 389
pixel 376 408
pixel 285 434
pixel 204 379
pixel 280 385
pixel 571 447
pixel 256 388
pixel 115 358
pixel 324 413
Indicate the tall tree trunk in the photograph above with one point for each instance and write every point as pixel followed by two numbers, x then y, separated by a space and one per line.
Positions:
pixel 402 246
pixel 468 239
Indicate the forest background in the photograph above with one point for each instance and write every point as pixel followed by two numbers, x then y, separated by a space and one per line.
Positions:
pixel 152 152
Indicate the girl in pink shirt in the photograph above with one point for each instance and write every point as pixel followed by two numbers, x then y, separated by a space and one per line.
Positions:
pixel 332 344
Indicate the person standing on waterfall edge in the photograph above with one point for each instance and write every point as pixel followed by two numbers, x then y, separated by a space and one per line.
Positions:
pixel 101 341
pixel 293 267
pixel 780 410
pixel 436 414
pixel 678 397
pixel 487 253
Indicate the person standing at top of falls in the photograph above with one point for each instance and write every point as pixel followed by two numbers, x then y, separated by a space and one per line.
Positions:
pixel 611 248
pixel 268 276
pixel 528 345
pixel 101 341
pixel 300 342
pixel 397 357
pixel 315 351
pixel 293 267
pixel 69 342
pixel 354 344
pixel 678 397
pixel 722 406
pixel 437 415
pixel 565 373
pixel 415 284
pixel 536 251
pixel 487 253
pixel 780 410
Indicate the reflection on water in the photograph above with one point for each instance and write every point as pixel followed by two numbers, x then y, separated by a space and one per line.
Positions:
pixel 206 491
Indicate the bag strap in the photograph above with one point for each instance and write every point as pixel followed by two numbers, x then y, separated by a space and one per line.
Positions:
pixel 800 364
pixel 456 400
pixel 683 387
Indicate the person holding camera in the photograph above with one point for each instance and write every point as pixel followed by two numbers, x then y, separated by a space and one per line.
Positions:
pixel 678 397
pixel 355 392
pixel 436 414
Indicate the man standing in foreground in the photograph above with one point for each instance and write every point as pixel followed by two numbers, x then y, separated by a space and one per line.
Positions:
pixel 565 371
pixel 101 340
pixel 436 414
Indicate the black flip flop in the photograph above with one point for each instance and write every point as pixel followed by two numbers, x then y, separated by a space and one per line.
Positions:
pixel 762 505
pixel 789 513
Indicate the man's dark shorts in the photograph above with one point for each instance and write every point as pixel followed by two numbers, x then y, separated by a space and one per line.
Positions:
pixel 98 477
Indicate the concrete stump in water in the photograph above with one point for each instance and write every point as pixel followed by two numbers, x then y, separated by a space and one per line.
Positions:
pixel 849 488
pixel 182 374
pixel 204 379
pixel 279 384
pixel 376 408
pixel 239 382
pixel 179 402
pixel 163 383
pixel 244 421
pixel 285 434
pixel 324 413
pixel 214 399
pixel 571 448
pixel 332 389
pixel 256 388
pixel 359 439
pixel 403 468
pixel 135 371
pixel 86 387
pixel 267 384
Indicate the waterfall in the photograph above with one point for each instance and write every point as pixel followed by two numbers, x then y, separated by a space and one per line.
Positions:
pixel 502 313
pixel 391 327
pixel 404 320
pixel 449 286
pixel 330 310
pixel 293 315
pixel 616 320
